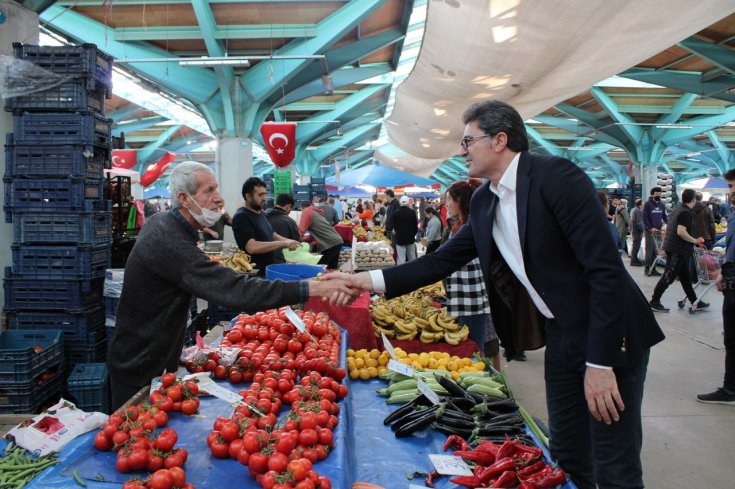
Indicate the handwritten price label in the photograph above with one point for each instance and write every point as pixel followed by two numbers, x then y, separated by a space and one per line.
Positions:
pixel 295 320
pixel 426 390
pixel 449 465
pixel 388 347
pixel 401 368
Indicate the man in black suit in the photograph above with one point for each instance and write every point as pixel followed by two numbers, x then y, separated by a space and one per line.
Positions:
pixel 554 279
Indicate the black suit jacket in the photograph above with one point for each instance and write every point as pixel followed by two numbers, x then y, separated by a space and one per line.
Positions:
pixel 568 257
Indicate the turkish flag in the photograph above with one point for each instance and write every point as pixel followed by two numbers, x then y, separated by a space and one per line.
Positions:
pixel 280 140
pixel 124 158
pixel 157 169
pixel 630 168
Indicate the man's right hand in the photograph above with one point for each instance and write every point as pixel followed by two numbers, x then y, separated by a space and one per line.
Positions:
pixel 338 291
pixel 291 244
pixel 361 281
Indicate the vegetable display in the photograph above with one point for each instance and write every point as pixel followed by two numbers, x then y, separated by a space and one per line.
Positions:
pixel 18 467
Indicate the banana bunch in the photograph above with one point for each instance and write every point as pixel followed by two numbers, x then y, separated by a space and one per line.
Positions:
pixel 359 232
pixel 407 317
pixel 456 337
pixel 379 237
pixel 345 222
pixel 239 262
pixel 435 290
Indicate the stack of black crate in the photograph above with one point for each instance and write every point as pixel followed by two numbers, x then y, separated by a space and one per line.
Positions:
pixel 54 197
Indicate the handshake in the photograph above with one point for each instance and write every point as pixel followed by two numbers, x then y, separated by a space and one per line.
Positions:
pixel 340 289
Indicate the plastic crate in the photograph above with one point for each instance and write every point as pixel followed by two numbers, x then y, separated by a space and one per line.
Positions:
pixel 92 351
pixel 59 195
pixel 19 362
pixel 282 177
pixel 63 227
pixel 299 196
pixel 84 61
pixel 301 188
pixel 75 325
pixel 76 294
pixel 61 262
pixel 218 314
pixel 55 161
pixel 71 95
pixel 318 181
pixel 62 128
pixel 111 304
pixel 28 397
pixel 109 330
pixel 89 384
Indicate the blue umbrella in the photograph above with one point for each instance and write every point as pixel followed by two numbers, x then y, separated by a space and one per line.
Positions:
pixel 426 195
pixel 378 175
pixel 352 192
pixel 152 193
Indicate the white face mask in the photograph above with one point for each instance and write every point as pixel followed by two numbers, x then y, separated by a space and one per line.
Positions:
pixel 207 218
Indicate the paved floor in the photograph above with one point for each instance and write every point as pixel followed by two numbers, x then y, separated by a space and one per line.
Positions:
pixel 685 443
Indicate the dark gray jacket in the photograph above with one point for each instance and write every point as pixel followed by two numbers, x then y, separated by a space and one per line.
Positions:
pixel 164 270
pixel 329 214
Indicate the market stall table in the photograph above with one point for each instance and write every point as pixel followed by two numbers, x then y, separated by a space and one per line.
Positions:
pixel 354 318
pixel 345 231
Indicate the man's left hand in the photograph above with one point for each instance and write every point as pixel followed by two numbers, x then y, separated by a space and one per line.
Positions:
pixel 601 392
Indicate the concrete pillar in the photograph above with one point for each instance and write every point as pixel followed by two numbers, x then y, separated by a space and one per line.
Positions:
pixel 646 175
pixel 234 165
pixel 16 24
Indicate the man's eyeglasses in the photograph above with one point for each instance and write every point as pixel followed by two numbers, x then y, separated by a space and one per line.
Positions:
pixel 465 143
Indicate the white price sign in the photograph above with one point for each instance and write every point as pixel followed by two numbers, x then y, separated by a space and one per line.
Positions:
pixel 295 320
pixel 426 390
pixel 450 465
pixel 401 368
pixel 388 347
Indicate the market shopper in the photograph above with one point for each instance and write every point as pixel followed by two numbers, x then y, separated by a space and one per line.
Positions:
pixel 217 231
pixel 329 242
pixel 636 231
pixel 366 216
pixel 282 223
pixel 704 222
pixel 330 214
pixel 678 248
pixel 253 233
pixel 406 225
pixel 622 220
pixel 726 393
pixel 433 236
pixel 537 228
pixel 390 207
pixel 166 268
pixel 604 200
pixel 654 215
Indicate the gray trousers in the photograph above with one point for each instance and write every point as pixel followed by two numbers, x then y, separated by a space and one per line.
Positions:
pixel 651 252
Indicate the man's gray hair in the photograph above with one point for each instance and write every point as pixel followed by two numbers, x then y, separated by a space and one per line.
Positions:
pixel 184 179
pixel 698 196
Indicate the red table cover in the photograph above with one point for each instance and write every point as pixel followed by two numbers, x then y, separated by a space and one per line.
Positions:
pixel 354 318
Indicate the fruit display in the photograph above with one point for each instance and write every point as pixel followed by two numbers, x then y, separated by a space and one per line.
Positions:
pixel 368 258
pixel 409 316
pixel 720 228
pixel 346 222
pixel 239 261
pixel 378 235
pixel 359 232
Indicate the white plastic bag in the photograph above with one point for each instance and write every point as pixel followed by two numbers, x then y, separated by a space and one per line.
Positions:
pixel 53 429
pixel 195 352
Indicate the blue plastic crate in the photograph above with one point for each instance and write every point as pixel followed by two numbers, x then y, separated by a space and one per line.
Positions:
pixel 20 362
pixel 59 195
pixel 92 351
pixel 300 188
pixel 318 181
pixel 61 262
pixel 55 161
pixel 62 128
pixel 83 61
pixel 63 227
pixel 70 95
pixel 218 314
pixel 320 188
pixel 30 293
pixel 29 397
pixel 109 329
pixel 75 325
pixel 111 304
pixel 299 196
pixel 89 384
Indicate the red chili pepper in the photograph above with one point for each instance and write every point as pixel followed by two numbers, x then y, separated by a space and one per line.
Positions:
pixel 549 480
pixel 520 447
pixel 524 458
pixel 540 474
pixel 531 470
pixel 488 446
pixel 478 470
pixel 475 456
pixel 508 479
pixel 498 468
pixel 466 481
pixel 457 442
pixel 429 479
pixel 525 485
pixel 507 450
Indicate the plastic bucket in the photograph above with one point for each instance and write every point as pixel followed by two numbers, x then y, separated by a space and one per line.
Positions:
pixel 291 272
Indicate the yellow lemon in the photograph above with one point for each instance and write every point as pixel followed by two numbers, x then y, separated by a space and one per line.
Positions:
pixel 445 354
pixel 443 362
pixel 364 374
pixel 374 353
pixel 424 359
pixel 371 362
pixel 382 369
pixel 405 360
pixel 360 354
pixel 401 354
pixel 350 352
pixel 467 362
pixel 433 363
pixel 436 354
pixel 455 375
pixel 359 363
pixel 383 360
pixel 416 365
pixel 413 357
pixel 441 367
pixel 479 366
pixel 373 372
pixel 452 366
pixel 354 374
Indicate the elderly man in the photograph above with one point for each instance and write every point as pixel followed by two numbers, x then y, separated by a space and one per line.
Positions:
pixel 597 352
pixel 166 268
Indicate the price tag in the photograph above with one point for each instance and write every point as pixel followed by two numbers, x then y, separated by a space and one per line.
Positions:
pixel 374 297
pixel 449 465
pixel 426 390
pixel 388 347
pixel 354 251
pixel 414 486
pixel 401 368
pixel 210 387
pixel 295 320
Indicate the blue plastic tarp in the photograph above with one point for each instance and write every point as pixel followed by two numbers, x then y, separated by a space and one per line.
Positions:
pixel 378 175
pixel 152 193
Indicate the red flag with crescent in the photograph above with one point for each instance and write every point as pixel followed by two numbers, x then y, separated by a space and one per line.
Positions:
pixel 630 168
pixel 124 158
pixel 280 140
pixel 157 169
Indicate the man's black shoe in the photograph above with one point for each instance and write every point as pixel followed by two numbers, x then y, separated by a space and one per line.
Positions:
pixel 654 273
pixel 658 307
pixel 720 396
pixel 520 356
pixel 636 263
pixel 702 305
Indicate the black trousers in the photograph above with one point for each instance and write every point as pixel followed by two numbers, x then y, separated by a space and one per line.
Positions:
pixel 121 393
pixel 433 246
pixel 591 452
pixel 330 257
pixel 676 267
pixel 637 238
pixel 728 319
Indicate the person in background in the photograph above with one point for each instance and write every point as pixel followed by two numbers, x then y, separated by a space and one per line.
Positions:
pixel 466 293
pixel 442 209
pixel 715 206
pixel 606 206
pixel 724 209
pixel 422 212
pixel 253 233
pixel 622 219
pixel 390 208
pixel 611 208
pixel 283 224
pixel 378 213
pixel 366 217
pixel 636 231
pixel 405 226
pixel 704 222
pixel 343 203
pixel 316 200
pixel 218 230
pixel 678 248
pixel 726 393
pixel 334 202
pixel 330 214
pixel 359 207
pixel 166 268
pixel 433 230
pixel 654 215
pixel 329 241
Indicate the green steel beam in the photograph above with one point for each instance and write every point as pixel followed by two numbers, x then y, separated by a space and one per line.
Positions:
pixel 230 32
pixel 722 150
pixel 675 114
pixel 149 152
pixel 719 56
pixel 577 127
pixel 352 124
pixel 366 162
pixel 308 106
pixel 699 125
pixel 354 138
pixel 405 18
pixel 123 112
pixel 137 124
pixel 634 133
pixel 667 109
pixel 686 82
pixel 546 146
pixel 340 78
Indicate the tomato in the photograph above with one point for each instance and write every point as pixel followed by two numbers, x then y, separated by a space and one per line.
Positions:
pixel 235 447
pixel 131 413
pixel 278 462
pixel 138 459
pixel 193 387
pixel 258 463
pixel 168 379
pixel 167 404
pixel 235 376
pixel 211 437
pixel 154 463
pixel 122 466
pixel 305 484
pixel 209 365
pixel 298 468
pixel 161 419
pixel 119 438
pixel 322 418
pixel 269 481
pixel 178 475
pixel 319 330
pixel 286 443
pixel 267 421
pixel 174 393
pixel 321 452
pixel 235 336
pixel 264 405
pixel 181 452
pixel 189 407
pixel 294 345
pixel 325 483
pixel 102 442
pixel 308 421
pixel 243 457
pixel 174 460
pixel 308 437
pixel 311 455
pixel 250 442
pixel 166 440
pixel 220 372
pixel 220 449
